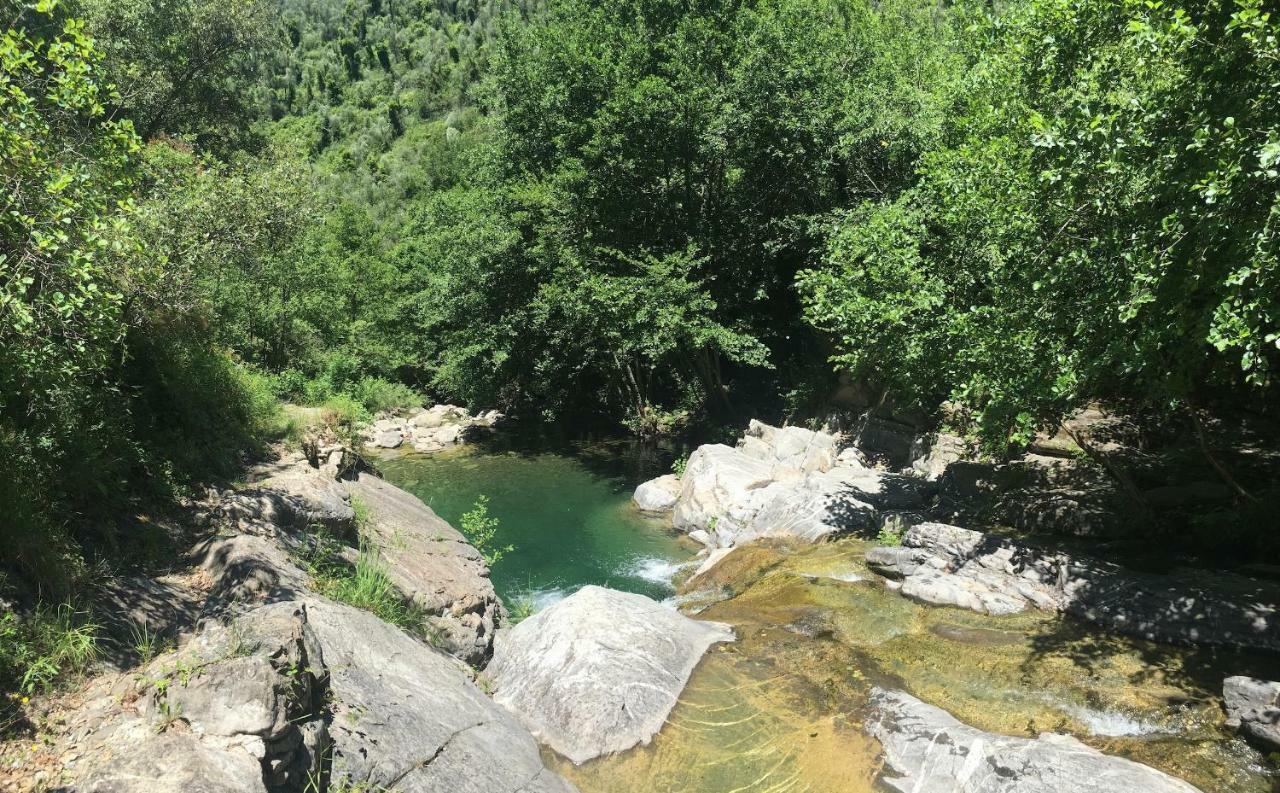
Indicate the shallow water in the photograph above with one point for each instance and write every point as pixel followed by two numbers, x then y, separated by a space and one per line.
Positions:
pixel 566 509
pixel 817 629
pixel 781 709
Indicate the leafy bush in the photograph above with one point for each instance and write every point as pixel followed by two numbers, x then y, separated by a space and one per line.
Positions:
pixel 481 529
pixel 378 395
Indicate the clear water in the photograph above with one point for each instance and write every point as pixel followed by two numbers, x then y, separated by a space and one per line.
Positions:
pixel 781 708
pixel 564 506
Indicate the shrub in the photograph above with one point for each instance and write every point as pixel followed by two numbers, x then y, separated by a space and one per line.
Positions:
pixel 378 395
pixel 481 531
pixel 49 644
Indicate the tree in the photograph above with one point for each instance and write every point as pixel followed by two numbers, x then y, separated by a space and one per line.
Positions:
pixel 186 67
pixel 1101 223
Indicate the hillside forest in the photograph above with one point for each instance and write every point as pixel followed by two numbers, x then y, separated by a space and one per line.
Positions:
pixel 654 217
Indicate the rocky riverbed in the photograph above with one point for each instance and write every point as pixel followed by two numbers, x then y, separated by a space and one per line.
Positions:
pixel 797 654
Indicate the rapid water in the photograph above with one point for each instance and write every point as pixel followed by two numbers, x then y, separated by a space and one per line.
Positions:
pixel 565 508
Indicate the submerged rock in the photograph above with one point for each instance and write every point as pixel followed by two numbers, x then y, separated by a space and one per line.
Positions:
pixel 657 496
pixel 1253 707
pixel 598 672
pixel 928 751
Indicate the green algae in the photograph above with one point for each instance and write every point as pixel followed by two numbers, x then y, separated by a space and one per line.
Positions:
pixel 781 709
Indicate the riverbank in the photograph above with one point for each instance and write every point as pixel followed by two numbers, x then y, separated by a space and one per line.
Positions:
pixel 773 663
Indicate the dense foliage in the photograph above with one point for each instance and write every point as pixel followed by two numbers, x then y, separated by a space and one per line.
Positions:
pixel 1101 223
pixel 646 212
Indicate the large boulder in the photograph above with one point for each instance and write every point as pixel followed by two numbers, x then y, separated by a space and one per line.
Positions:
pixel 951 566
pixel 926 750
pixel 789 483
pixel 296 691
pixel 406 717
pixel 657 496
pixel 433 565
pixel 292 493
pixel 718 485
pixel 1253 707
pixel 598 672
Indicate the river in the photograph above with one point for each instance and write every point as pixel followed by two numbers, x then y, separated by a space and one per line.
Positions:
pixel 782 708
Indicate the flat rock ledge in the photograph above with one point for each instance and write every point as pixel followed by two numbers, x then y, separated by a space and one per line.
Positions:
pixel 950 566
pixel 926 750
pixel 294 692
pixel 432 430
pixel 598 672
pixel 779 482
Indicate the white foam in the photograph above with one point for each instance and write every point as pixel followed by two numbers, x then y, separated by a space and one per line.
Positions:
pixel 540 599
pixel 654 570
pixel 849 577
pixel 1111 724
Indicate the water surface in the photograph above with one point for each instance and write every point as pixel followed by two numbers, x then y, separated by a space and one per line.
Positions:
pixel 564 507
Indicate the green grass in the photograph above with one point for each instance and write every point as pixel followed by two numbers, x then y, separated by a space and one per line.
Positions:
pixel 889 535
pixel 520 610
pixel 365 584
pixel 45 647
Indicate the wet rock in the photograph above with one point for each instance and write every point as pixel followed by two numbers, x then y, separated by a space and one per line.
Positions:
pixel 928 751
pixel 433 565
pixel 598 672
pixel 657 496
pixel 1253 707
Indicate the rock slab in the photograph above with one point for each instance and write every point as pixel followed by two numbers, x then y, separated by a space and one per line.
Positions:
pixel 598 672
pixel 1253 707
pixel 927 750
pixel 950 566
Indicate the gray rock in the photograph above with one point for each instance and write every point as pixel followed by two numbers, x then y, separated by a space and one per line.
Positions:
pixel 234 697
pixel 144 762
pixel 598 672
pixel 932 454
pixel 785 483
pixel 407 717
pixel 948 565
pixel 388 439
pixel 719 483
pixel 249 570
pixel 1253 707
pixel 433 565
pixel 926 750
pixel 292 493
pixel 657 496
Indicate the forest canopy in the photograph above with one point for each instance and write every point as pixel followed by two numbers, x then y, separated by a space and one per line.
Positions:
pixel 647 214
